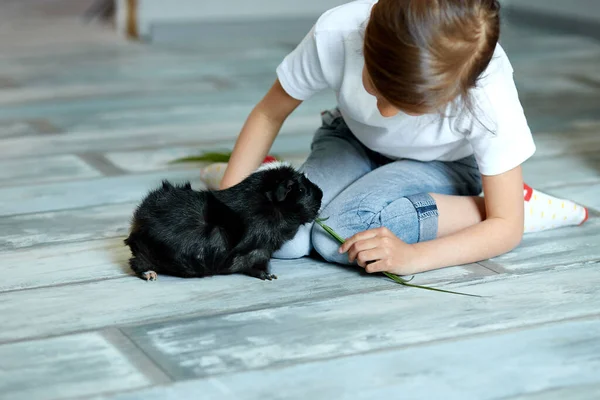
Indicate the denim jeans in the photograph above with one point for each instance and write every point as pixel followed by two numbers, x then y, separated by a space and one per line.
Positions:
pixel 364 190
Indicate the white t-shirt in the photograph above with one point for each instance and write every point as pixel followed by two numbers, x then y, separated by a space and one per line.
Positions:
pixel 330 57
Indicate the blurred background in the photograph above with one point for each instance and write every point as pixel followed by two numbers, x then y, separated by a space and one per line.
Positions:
pixel 185 46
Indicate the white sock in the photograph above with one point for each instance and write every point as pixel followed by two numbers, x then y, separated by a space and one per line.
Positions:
pixel 544 212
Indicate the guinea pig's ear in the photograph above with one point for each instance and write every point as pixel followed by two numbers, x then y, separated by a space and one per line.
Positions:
pixel 280 193
pixel 166 185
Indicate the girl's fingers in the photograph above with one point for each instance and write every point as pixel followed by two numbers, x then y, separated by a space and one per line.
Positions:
pixel 356 238
pixel 378 266
pixel 362 245
pixel 369 256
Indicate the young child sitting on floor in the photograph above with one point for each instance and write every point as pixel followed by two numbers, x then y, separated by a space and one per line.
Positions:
pixel 428 117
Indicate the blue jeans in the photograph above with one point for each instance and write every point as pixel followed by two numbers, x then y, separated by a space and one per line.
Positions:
pixel 364 190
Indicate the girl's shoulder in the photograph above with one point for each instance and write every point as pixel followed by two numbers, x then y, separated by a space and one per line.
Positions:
pixel 500 68
pixel 495 94
pixel 346 17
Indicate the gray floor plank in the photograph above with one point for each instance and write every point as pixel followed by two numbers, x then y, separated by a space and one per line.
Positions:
pixel 64 367
pixel 545 250
pixel 131 300
pixel 249 96
pixel 16 128
pixel 147 137
pixel 559 171
pixel 93 223
pixel 159 159
pixel 102 191
pixel 572 141
pixel 496 366
pixel 64 263
pixel 179 114
pixel 10 128
pixel 272 338
pixel 144 72
pixel 103 89
pixel 118 53
pixel 27 171
pixel 579 392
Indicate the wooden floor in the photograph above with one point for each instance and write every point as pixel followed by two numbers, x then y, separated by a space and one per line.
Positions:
pixel 88 124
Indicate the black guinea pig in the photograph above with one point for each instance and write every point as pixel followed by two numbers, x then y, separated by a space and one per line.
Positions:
pixel 186 233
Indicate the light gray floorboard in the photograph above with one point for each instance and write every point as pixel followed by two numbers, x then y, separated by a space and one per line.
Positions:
pixel 136 62
pixel 138 73
pixel 580 392
pixel 10 128
pixel 28 171
pixel 575 141
pixel 248 96
pixel 64 367
pixel 132 300
pixel 64 263
pixel 92 223
pixel 136 138
pixel 180 114
pixel 89 193
pixel 160 159
pixel 545 250
pixel 364 323
pixel 101 164
pixel 104 89
pixel 558 355
pixel 16 128
pixel 558 171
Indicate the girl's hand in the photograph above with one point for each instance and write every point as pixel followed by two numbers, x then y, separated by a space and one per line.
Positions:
pixel 379 250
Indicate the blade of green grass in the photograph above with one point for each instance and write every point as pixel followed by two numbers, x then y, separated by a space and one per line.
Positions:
pixel 393 277
pixel 212 157
pixel 206 157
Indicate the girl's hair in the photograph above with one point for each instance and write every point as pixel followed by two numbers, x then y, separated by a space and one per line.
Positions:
pixel 421 55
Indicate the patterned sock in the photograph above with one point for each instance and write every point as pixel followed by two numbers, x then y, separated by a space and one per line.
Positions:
pixel 544 212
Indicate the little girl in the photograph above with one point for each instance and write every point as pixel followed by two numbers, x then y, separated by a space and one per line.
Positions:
pixel 428 116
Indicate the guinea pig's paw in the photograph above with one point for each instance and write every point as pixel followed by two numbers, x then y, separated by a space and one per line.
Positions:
pixel 270 277
pixel 150 276
pixel 261 274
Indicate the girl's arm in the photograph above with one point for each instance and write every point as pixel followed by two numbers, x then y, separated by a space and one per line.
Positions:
pixel 258 134
pixel 499 233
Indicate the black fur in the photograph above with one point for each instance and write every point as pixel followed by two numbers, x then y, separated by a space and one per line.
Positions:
pixel 182 232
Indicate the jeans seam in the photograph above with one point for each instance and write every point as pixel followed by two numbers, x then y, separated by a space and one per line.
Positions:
pixel 360 209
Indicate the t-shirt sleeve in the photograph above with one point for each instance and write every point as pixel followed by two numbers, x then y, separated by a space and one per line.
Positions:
pixel 501 138
pixel 300 73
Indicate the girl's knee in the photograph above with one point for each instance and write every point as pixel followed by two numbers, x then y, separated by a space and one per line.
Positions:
pixel 298 247
pixel 327 246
